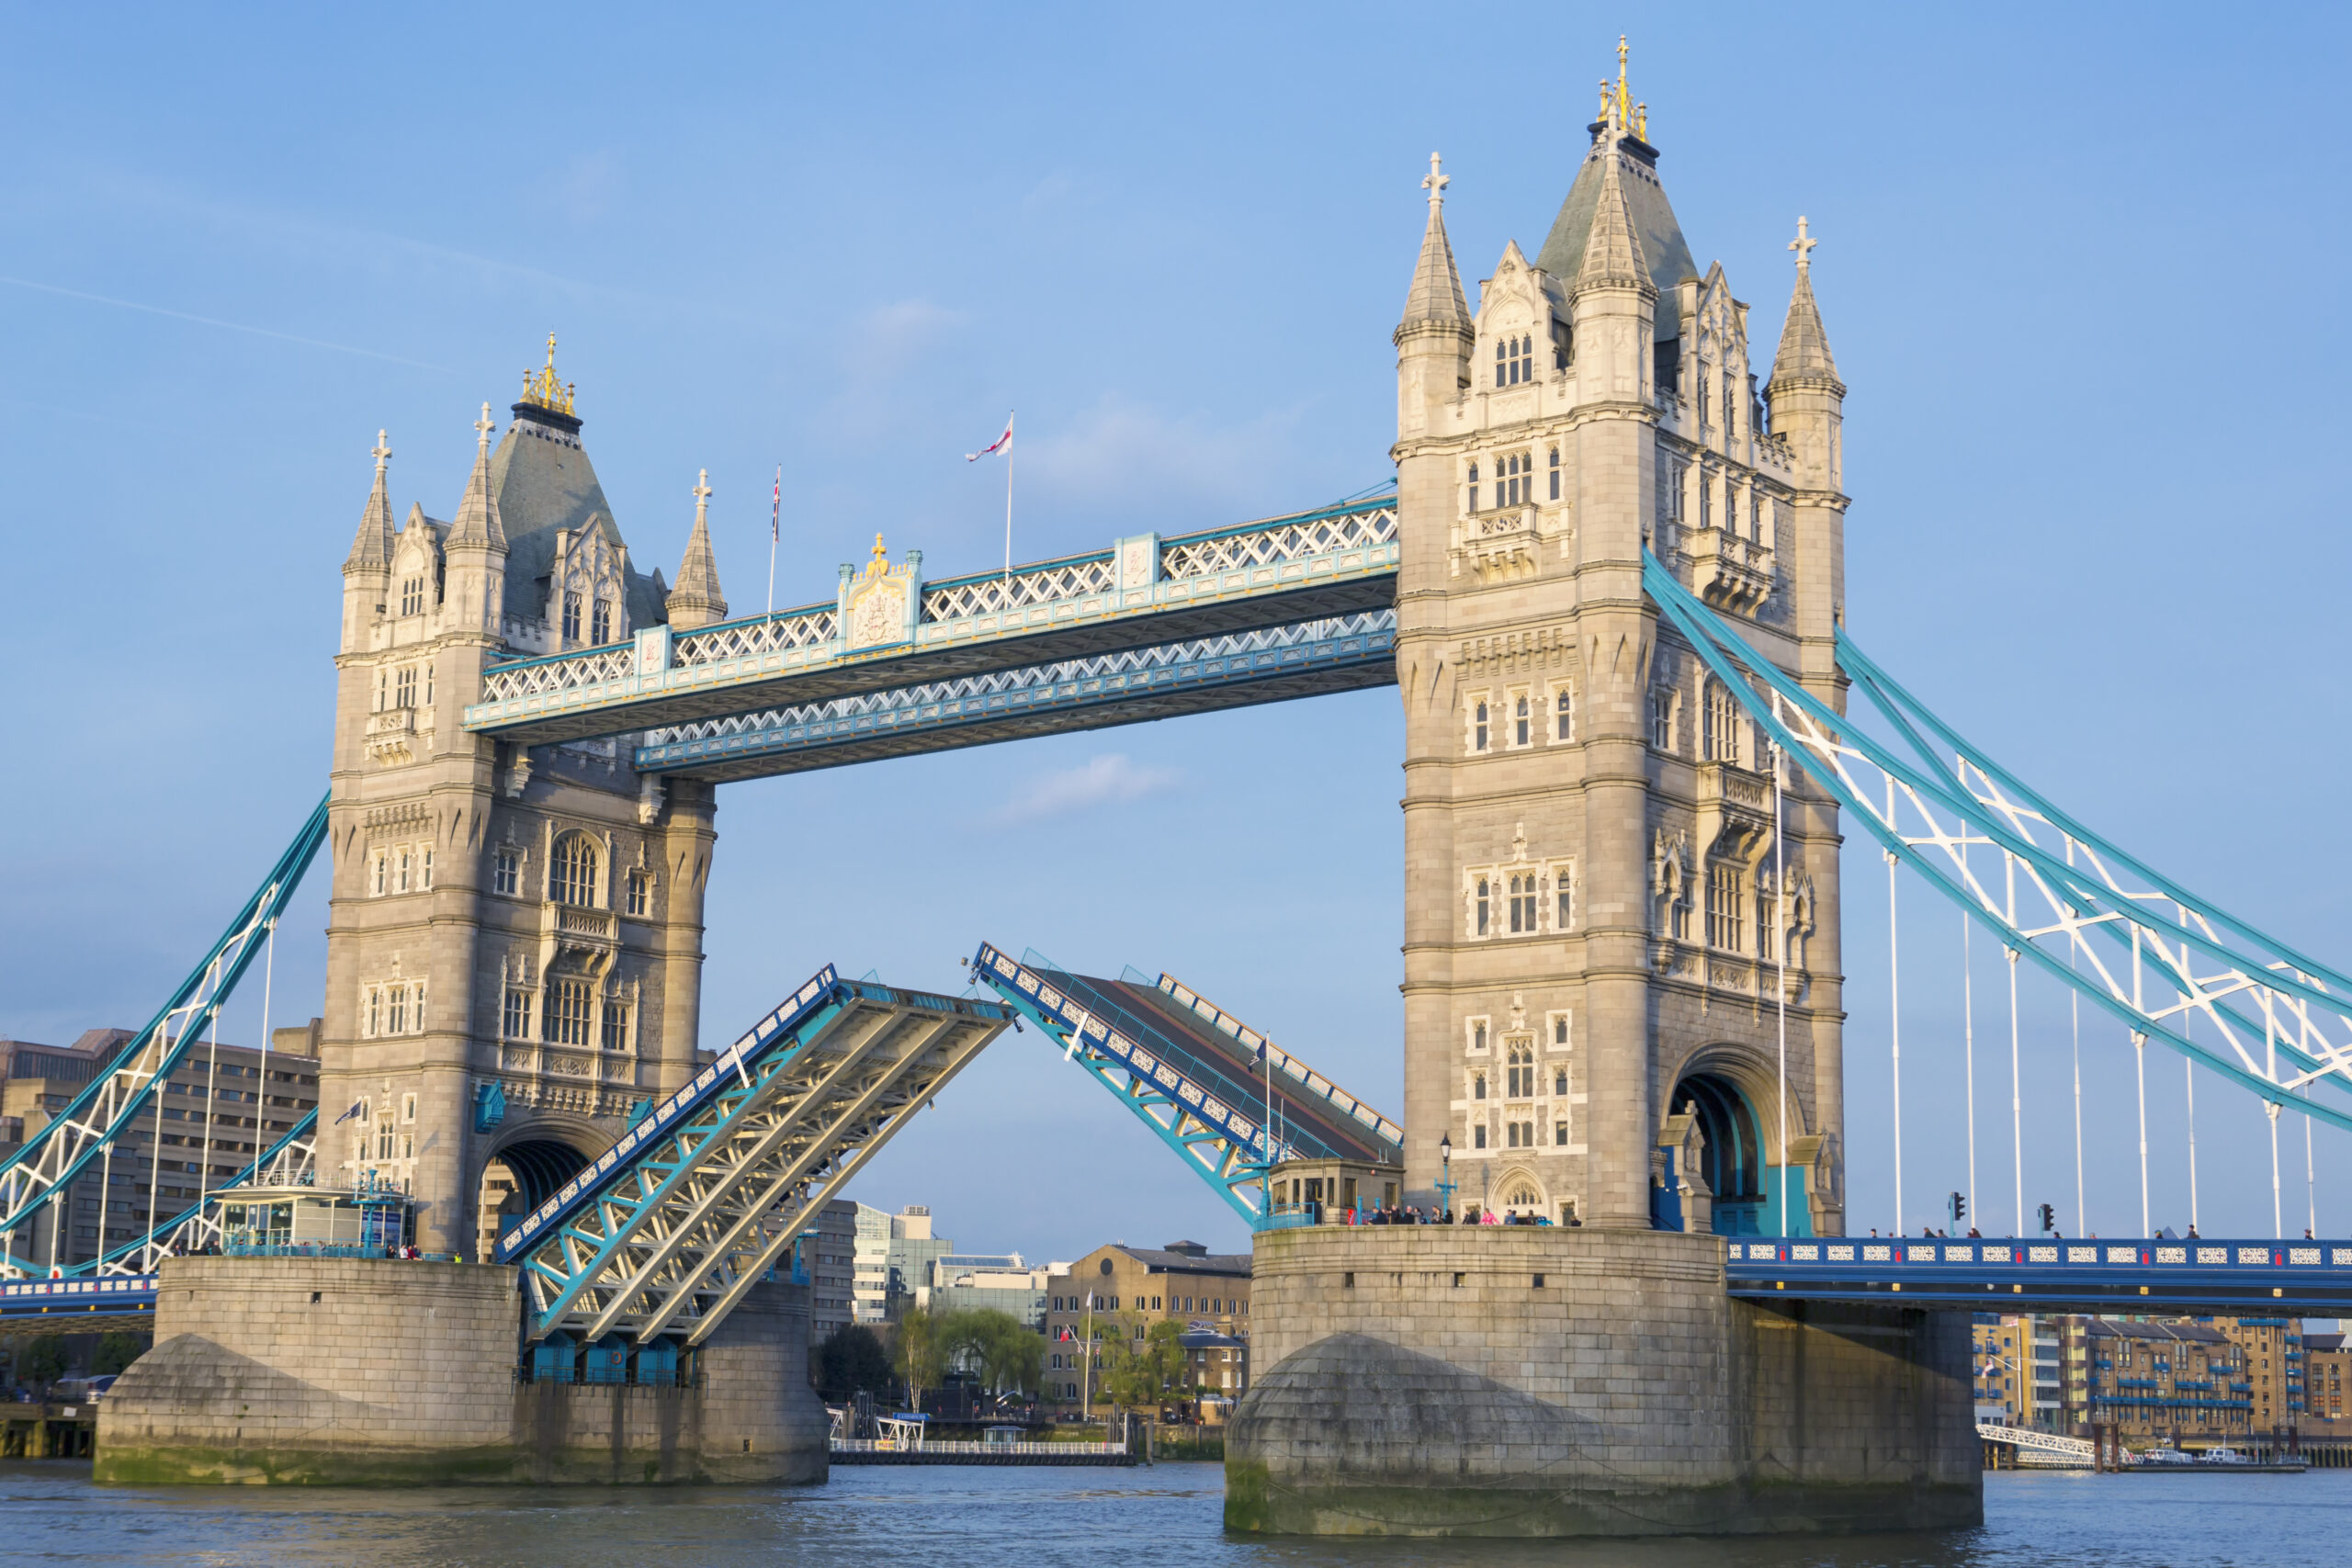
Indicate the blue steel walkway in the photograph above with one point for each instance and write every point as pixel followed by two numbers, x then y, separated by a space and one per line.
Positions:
pixel 2160 1277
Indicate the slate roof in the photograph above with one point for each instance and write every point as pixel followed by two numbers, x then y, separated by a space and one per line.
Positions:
pixel 543 481
pixel 1663 248
pixel 1163 1261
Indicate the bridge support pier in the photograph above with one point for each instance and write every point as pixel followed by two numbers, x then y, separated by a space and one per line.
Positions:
pixel 351 1371
pixel 1547 1382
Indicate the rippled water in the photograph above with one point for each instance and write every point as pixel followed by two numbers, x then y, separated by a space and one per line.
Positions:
pixel 1125 1518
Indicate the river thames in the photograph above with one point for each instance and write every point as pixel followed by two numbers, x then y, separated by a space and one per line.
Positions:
pixel 1168 1514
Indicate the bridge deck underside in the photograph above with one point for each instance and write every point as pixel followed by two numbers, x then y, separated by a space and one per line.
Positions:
pixel 777 681
pixel 1164 681
pixel 705 1198
pixel 1220 1066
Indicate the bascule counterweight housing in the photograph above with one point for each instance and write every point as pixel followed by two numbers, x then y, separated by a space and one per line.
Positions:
pixel 700 1200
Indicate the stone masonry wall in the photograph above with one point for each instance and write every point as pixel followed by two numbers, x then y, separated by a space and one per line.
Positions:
pixel 1422 1381
pixel 355 1372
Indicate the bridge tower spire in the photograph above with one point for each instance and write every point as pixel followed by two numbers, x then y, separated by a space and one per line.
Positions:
pixel 1593 919
pixel 697 601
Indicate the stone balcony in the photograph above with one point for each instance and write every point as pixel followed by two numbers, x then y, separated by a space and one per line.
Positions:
pixel 1735 812
pixel 1727 571
pixel 1501 545
pixel 394 736
pixel 594 934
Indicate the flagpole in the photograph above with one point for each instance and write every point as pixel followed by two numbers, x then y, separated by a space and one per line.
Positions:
pixel 776 528
pixel 1008 503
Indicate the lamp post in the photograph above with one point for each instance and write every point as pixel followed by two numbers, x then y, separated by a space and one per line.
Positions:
pixel 1445 1169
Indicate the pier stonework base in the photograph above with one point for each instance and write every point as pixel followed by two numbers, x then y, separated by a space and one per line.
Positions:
pixel 351 1371
pixel 1547 1382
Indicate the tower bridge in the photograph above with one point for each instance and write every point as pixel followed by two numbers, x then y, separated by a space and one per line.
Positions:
pixel 1609 586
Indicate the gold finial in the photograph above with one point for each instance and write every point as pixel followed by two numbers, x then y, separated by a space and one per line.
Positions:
pixel 881 561
pixel 544 391
pixel 1803 245
pixel 1642 121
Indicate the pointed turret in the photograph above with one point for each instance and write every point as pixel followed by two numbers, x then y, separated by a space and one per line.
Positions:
pixel 1804 354
pixel 1612 248
pixel 1435 300
pixel 697 601
pixel 478 524
pixel 371 549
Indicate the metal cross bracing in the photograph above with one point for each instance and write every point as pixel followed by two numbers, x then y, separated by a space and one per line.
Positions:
pixel 1143 592
pixel 1272 664
pixel 693 1206
pixel 97 1121
pixel 2100 922
pixel 2162 1275
pixel 1192 1082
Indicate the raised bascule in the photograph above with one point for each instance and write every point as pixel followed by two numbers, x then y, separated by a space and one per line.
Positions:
pixel 1608 584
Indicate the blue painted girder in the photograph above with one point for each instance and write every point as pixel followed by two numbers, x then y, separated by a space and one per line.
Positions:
pixel 1238 669
pixel 2242 1278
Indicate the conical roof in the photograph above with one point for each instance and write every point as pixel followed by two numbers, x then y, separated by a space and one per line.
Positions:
pixel 1612 250
pixel 478 521
pixel 1805 344
pixel 698 590
pixel 544 482
pixel 1436 297
pixel 371 548
pixel 1649 217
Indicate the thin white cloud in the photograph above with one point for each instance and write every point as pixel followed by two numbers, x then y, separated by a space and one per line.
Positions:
pixel 1111 779
pixel 224 326
pixel 1120 448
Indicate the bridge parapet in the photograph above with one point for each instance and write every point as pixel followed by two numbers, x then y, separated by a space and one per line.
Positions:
pixel 2134 1275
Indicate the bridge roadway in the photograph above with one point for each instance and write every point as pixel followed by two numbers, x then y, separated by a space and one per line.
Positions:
pixel 1283 607
pixel 2117 1276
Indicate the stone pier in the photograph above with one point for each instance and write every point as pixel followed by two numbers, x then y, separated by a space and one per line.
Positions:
pixel 1547 1382
pixel 363 1372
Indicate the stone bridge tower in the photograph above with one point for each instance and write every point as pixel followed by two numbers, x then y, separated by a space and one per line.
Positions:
pixel 1593 930
pixel 515 936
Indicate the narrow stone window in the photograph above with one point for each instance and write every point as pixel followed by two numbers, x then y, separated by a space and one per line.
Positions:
pixel 376 875
pixel 1764 924
pixel 1564 716
pixel 600 623
pixel 1478 1136
pixel 1478 727
pixel 1482 909
pixel 572 617
pixel 401 883
pixel 1522 724
pixel 1478 1087
pixel 1522 1071
pixel 1474 487
pixel 616 1025
pixel 1560 1081
pixel 639 892
pixel 1556 473
pixel 1560 1030
pixel 514 1021
pixel 1662 720
pixel 507 871
pixel 1564 897
pixel 1560 1134
pixel 424 868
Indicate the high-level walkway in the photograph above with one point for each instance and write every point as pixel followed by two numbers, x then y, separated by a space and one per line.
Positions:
pixel 1149 627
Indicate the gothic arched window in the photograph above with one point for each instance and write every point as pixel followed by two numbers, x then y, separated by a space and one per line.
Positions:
pixel 1521 725
pixel 1477 1086
pixel 572 617
pixel 600 623
pixel 573 877
pixel 1478 727
pixel 1519 1071
pixel 1482 906
pixel 1474 487
pixel 1556 473
pixel 1564 716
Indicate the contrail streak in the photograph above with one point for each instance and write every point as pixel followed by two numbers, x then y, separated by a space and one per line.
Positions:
pixel 228 326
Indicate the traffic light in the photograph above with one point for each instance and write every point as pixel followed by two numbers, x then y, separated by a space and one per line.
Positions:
pixel 1957 1207
pixel 2049 1219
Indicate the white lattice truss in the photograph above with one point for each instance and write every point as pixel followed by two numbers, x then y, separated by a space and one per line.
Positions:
pixel 774 634
pixel 1256 545
pixel 1132 671
pixel 2124 937
pixel 564 672
pixel 698 1215
pixel 2040 1442
pixel 1046 584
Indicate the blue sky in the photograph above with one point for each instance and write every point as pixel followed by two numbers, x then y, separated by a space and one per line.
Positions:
pixel 2082 270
